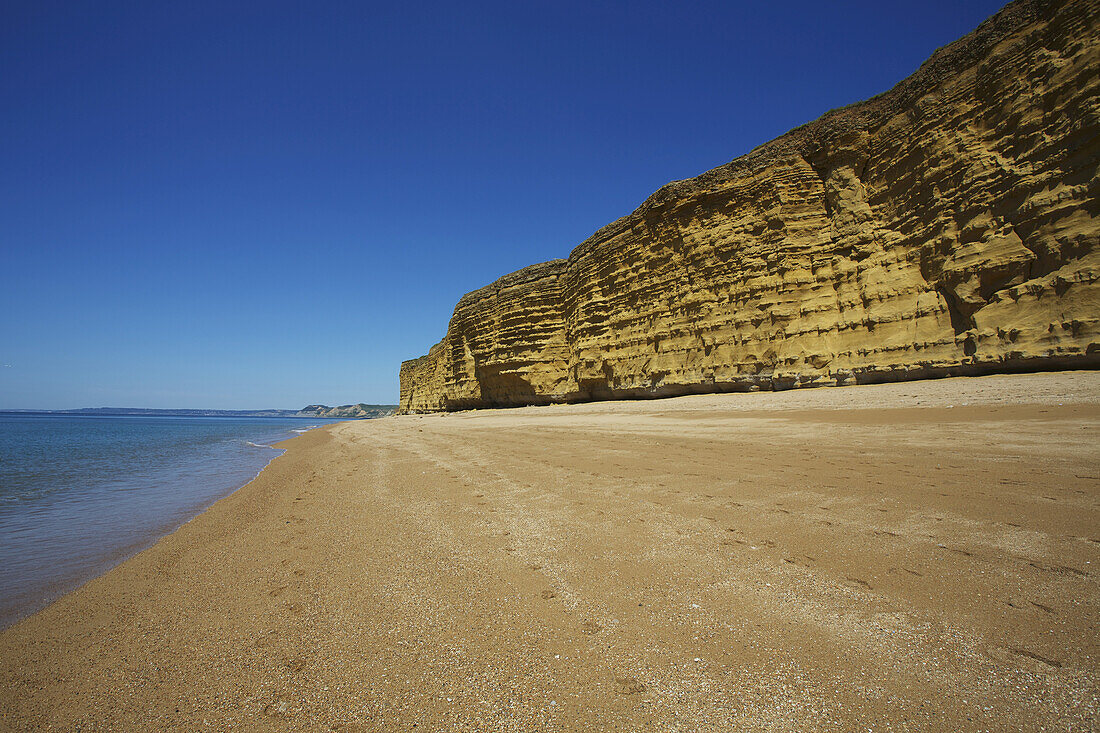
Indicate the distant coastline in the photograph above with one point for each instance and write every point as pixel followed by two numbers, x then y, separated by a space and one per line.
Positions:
pixel 357 411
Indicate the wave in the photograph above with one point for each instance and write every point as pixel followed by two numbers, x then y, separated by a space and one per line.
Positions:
pixel 258 445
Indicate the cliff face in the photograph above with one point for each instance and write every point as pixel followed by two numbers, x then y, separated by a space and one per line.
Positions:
pixel 948 226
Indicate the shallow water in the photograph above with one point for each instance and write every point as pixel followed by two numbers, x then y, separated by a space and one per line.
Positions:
pixel 80 493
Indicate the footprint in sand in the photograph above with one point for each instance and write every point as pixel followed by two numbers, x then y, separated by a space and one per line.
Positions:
pixel 1059 569
pixel 1030 659
pixel 278 706
pixel 628 686
pixel 548 594
pixel 1037 657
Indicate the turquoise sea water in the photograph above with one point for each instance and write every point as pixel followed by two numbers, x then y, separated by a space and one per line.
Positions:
pixel 79 494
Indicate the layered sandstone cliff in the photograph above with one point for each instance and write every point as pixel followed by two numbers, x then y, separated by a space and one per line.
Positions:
pixel 948 226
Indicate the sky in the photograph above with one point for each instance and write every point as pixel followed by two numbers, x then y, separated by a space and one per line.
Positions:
pixel 246 205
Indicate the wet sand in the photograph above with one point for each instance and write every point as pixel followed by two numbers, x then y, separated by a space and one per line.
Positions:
pixel 919 556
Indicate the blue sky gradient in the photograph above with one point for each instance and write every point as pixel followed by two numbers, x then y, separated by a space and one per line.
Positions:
pixel 251 205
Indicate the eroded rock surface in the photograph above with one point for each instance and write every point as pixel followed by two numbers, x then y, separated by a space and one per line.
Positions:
pixel 948 226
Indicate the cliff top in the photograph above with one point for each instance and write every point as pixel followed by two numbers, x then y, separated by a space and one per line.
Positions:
pixel 803 140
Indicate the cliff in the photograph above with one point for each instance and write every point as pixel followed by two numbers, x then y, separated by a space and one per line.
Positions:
pixel 948 226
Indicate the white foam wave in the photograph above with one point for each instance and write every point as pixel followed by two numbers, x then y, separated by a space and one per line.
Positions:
pixel 258 445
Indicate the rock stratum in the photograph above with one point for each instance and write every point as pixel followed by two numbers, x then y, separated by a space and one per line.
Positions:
pixel 946 227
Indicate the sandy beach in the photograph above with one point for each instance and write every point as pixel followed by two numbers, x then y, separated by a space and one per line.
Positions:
pixel 917 556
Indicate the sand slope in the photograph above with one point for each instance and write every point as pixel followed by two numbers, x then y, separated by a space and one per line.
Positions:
pixel 920 554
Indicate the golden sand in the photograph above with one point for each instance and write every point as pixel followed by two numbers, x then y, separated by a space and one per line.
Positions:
pixel 920 556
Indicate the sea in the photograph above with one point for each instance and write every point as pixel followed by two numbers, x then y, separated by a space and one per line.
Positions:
pixel 80 494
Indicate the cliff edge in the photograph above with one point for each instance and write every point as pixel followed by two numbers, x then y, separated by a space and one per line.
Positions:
pixel 947 226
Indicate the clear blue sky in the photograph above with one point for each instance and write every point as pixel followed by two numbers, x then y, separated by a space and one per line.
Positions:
pixel 267 204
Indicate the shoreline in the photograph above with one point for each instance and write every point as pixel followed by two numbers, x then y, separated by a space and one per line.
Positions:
pixel 704 561
pixel 59 587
